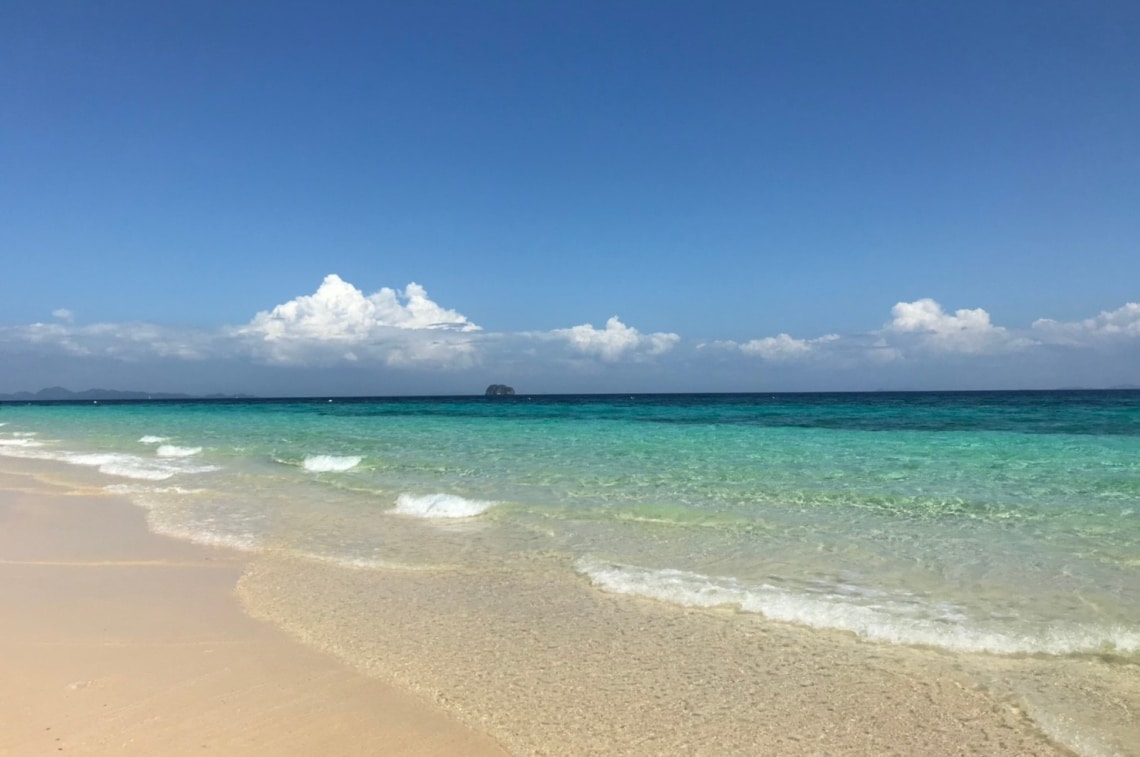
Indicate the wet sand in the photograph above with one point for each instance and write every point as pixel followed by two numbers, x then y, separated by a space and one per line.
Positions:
pixel 550 666
pixel 115 640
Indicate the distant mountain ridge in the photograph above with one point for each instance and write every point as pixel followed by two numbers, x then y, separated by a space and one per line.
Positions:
pixel 59 394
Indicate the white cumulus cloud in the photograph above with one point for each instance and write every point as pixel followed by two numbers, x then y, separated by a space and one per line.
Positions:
pixel 616 340
pixel 339 322
pixel 1122 323
pixel 963 331
pixel 338 311
pixel 783 347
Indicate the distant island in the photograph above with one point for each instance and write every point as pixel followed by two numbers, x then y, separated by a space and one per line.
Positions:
pixel 499 390
pixel 59 394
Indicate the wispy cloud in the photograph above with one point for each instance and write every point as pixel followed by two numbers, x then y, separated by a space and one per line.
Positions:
pixel 781 348
pixel 130 341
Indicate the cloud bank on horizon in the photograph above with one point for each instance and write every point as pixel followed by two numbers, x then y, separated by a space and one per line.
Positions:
pixel 405 330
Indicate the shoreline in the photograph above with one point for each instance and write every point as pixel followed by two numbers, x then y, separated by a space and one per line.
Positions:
pixel 116 639
pixel 119 638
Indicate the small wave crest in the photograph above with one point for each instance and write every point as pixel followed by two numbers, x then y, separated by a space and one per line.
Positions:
pixel 440 506
pixel 331 463
pixel 892 618
pixel 20 442
pixel 148 439
pixel 111 463
pixel 131 466
pixel 170 450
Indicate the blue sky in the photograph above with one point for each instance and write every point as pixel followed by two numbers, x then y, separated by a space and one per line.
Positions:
pixel 767 196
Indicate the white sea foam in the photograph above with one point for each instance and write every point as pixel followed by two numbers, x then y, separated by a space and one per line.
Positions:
pixel 111 463
pixel 203 533
pixel 371 563
pixel 130 489
pixel 176 511
pixel 20 442
pixel 440 506
pixel 125 466
pixel 169 450
pixel 330 463
pixel 148 439
pixel 874 615
pixel 1064 731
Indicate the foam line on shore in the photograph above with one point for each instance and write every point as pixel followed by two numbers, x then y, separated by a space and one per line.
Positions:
pixel 898 619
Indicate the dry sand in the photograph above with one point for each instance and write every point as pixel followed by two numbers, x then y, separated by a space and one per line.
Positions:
pixel 115 640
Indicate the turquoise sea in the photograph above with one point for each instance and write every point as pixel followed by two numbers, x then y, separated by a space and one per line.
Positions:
pixel 1001 526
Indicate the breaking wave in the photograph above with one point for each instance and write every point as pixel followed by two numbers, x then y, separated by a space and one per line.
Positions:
pixel 895 618
pixel 169 450
pixel 112 463
pixel 330 463
pixel 20 442
pixel 440 506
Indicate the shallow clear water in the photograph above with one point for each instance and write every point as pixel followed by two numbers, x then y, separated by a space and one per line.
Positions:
pixel 988 522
